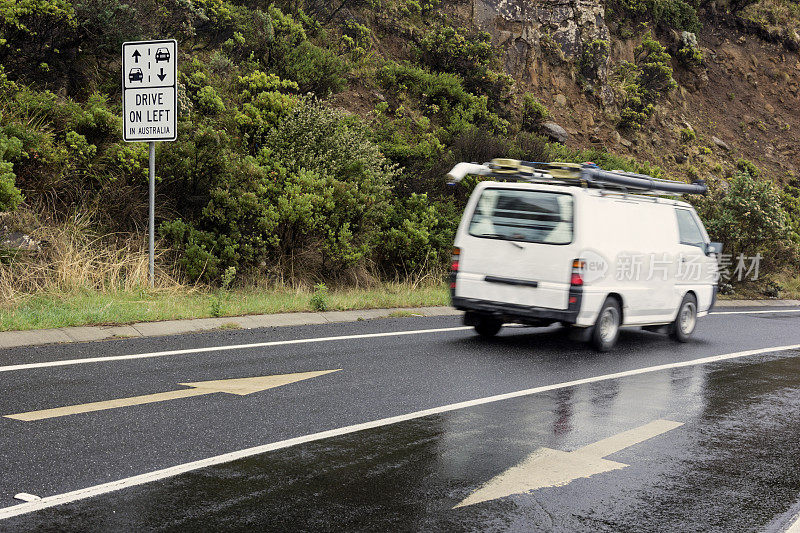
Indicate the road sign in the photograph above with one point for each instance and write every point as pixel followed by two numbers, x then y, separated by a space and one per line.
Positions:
pixel 149 92
pixel 150 106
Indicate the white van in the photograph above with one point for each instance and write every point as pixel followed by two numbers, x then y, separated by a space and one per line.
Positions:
pixel 583 252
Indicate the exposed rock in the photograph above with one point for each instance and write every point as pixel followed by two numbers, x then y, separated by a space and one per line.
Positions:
pixel 555 132
pixel 526 29
pixel 720 143
pixel 560 100
pixel 768 108
pixel 18 241
pixel 625 142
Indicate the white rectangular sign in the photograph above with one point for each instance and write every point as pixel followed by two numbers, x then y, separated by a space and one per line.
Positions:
pixel 149 92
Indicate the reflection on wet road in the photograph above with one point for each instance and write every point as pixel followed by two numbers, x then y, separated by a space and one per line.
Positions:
pixel 710 447
pixel 734 465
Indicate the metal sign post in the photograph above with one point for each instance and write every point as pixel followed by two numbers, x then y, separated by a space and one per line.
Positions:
pixel 152 217
pixel 150 107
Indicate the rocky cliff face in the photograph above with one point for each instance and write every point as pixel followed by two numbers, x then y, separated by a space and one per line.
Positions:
pixel 744 94
pixel 528 31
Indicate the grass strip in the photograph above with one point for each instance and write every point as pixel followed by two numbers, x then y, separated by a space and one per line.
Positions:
pixel 85 308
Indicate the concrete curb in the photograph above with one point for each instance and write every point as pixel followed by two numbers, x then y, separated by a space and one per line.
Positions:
pixel 757 303
pixel 35 337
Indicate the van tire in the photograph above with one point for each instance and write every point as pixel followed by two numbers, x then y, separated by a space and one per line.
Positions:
pixel 488 327
pixel 606 329
pixel 686 321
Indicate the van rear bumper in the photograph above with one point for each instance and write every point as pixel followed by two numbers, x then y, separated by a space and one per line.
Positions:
pixel 517 313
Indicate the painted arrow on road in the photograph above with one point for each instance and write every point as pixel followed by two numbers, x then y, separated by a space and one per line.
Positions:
pixel 554 468
pixel 240 386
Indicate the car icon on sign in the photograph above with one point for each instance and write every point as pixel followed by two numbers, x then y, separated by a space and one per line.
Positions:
pixel 135 75
pixel 162 54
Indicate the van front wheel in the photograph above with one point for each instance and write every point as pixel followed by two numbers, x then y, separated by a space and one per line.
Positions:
pixel 606 328
pixel 685 322
pixel 488 327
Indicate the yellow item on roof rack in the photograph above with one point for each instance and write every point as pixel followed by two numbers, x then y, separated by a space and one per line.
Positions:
pixel 561 170
pixel 556 169
pixel 509 166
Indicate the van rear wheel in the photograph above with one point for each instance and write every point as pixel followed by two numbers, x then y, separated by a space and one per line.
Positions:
pixel 606 328
pixel 488 327
pixel 686 321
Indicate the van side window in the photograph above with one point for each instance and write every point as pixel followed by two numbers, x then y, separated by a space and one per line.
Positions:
pixel 688 229
pixel 523 215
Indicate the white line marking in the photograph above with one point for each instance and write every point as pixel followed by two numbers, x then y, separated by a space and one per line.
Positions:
pixel 67 362
pixel 754 312
pixel 89 492
pixel 794 528
pixel 25 497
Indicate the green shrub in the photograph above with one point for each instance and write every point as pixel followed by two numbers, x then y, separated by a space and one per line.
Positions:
pixel 790 201
pixel 10 149
pixel 356 38
pixel 265 99
pixel 676 14
pixel 31 33
pixel 593 58
pixel 749 218
pixel 448 49
pixel 644 83
pixel 315 69
pixel 688 135
pixel 533 112
pixel 690 55
pixel 412 239
pixel 744 165
pixel 450 105
pixel 209 102
pixel 318 190
pixel 319 300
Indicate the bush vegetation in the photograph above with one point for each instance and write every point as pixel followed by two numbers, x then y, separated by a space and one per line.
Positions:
pixel 751 217
pixel 268 178
pixel 643 83
pixel 676 14
pixel 533 112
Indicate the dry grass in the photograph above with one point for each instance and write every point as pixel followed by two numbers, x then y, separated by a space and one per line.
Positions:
pixel 781 17
pixel 73 258
pixel 81 278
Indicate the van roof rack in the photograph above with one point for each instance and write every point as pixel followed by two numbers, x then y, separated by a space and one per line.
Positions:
pixel 575 174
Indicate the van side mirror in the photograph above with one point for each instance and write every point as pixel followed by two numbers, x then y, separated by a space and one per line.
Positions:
pixel 713 248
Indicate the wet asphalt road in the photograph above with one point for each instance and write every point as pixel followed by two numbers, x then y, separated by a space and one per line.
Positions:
pixel 734 464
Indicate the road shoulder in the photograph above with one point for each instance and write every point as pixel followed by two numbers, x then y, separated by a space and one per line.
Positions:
pixel 35 337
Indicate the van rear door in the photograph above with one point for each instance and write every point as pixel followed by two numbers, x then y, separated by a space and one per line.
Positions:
pixel 516 248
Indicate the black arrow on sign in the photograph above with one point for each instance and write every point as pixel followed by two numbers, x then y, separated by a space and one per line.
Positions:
pixel 161 74
pixel 136 55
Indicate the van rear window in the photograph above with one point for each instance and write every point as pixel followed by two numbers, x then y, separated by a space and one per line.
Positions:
pixel 523 215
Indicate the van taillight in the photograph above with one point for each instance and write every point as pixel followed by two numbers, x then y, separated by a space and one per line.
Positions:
pixel 454 267
pixel 577 272
pixel 454 259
